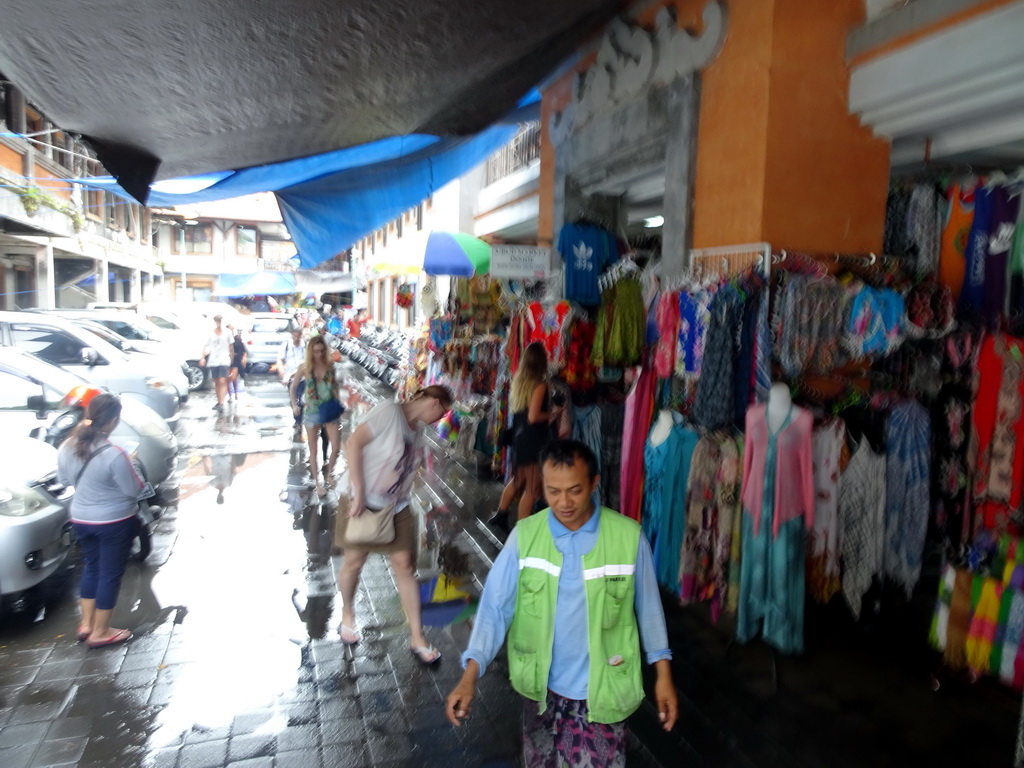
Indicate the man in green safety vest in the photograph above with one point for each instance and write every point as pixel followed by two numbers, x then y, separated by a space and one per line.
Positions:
pixel 576 592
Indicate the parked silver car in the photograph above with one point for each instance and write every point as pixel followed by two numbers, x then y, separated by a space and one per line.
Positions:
pixel 143 336
pixel 62 343
pixel 34 399
pixel 35 527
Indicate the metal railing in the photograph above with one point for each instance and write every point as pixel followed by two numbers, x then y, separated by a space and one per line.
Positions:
pixel 517 154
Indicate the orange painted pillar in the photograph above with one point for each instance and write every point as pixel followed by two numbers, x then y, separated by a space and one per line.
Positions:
pixel 779 157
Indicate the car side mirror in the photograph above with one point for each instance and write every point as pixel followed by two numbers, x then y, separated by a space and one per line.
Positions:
pixel 89 356
pixel 37 403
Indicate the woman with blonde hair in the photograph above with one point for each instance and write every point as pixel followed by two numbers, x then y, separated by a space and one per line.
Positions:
pixel 322 407
pixel 531 431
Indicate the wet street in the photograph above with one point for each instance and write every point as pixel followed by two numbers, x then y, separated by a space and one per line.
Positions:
pixel 235 657
pixel 236 660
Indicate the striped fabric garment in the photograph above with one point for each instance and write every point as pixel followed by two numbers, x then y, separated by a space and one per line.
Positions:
pixel 981 636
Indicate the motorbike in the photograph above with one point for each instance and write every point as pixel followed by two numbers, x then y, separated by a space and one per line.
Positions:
pixel 60 429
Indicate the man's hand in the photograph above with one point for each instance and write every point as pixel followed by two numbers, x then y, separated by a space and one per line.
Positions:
pixel 665 695
pixel 202 362
pixel 460 700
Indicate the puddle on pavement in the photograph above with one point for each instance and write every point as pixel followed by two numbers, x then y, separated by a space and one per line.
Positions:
pixel 234 613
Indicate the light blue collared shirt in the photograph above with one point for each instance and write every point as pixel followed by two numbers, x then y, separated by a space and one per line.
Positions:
pixel 570 662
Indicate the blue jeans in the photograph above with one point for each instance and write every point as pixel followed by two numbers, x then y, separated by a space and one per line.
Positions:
pixel 106 547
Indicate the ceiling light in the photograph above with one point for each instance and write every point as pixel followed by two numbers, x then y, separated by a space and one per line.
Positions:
pixel 653 222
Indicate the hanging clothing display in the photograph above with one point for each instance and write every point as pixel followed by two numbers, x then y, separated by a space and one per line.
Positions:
pixel 666 470
pixel 972 295
pixel 586 428
pixel 862 522
pixel 1005 207
pixel 955 234
pixel 621 328
pixel 923 230
pixel 951 429
pixel 810 313
pixel 778 500
pixel 586 250
pixel 667 320
pixel 694 318
pixel 907 488
pixel 823 571
pixel 712 497
pixel 713 407
pixel 997 440
pixel 637 422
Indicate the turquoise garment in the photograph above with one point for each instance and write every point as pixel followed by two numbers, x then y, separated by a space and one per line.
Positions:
pixel 667 470
pixel 772 568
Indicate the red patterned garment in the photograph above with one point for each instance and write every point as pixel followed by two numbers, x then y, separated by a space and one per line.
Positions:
pixel 997 437
pixel 579 372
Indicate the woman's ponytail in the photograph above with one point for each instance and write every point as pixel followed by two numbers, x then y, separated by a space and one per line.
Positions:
pixel 99 413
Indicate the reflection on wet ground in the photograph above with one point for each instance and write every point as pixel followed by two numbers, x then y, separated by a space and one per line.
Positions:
pixel 235 658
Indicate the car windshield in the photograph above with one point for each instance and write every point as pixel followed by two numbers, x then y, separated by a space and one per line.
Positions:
pixel 121 328
pixel 271 324
pixel 105 333
pixel 163 322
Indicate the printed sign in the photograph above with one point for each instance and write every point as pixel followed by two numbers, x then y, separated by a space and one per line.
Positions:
pixel 520 262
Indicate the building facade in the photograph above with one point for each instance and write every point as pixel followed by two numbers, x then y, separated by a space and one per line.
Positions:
pixel 198 243
pixel 61 244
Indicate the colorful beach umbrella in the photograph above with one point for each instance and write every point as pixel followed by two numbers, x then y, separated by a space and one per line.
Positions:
pixel 456 253
pixel 436 253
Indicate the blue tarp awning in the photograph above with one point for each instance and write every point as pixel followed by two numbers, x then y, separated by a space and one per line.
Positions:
pixel 256 284
pixel 332 200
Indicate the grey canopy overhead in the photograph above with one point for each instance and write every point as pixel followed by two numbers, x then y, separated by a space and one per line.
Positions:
pixel 167 89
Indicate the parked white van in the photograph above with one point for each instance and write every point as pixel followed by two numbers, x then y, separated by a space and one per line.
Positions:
pixel 62 343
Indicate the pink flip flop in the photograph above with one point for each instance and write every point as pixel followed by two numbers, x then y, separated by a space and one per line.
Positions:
pixel 119 637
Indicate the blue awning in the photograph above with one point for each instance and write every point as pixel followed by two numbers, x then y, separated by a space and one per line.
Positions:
pixel 256 284
pixel 332 200
pixel 326 216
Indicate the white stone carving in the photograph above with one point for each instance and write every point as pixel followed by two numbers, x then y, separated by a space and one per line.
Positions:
pixel 631 59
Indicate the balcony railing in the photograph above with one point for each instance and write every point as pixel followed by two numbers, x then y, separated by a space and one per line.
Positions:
pixel 517 154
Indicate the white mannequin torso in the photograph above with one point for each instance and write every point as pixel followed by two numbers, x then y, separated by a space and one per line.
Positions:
pixel 779 404
pixel 662 428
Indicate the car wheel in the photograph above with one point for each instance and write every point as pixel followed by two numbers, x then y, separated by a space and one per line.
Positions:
pixel 198 378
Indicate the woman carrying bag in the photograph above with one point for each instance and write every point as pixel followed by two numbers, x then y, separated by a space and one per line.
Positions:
pixel 383 454
pixel 107 492
pixel 322 407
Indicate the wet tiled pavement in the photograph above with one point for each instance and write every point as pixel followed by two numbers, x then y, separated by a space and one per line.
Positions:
pixel 236 661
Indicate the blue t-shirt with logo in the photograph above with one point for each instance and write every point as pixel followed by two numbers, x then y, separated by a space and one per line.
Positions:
pixel 586 250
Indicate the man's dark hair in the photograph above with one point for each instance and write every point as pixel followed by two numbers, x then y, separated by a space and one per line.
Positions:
pixel 563 453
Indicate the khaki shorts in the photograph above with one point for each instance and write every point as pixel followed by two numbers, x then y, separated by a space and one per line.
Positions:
pixel 405 534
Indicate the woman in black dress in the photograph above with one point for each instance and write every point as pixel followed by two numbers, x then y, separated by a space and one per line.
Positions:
pixel 530 433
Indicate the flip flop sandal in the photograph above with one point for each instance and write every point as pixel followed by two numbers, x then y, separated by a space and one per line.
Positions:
pixel 119 637
pixel 83 636
pixel 349 635
pixel 427 654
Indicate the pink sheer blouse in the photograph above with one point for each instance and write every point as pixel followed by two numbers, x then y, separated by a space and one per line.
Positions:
pixel 794 478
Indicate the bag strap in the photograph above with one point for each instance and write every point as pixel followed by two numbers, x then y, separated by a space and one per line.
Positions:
pixel 91 457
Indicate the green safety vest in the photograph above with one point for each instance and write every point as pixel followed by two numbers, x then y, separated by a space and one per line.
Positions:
pixel 614 689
